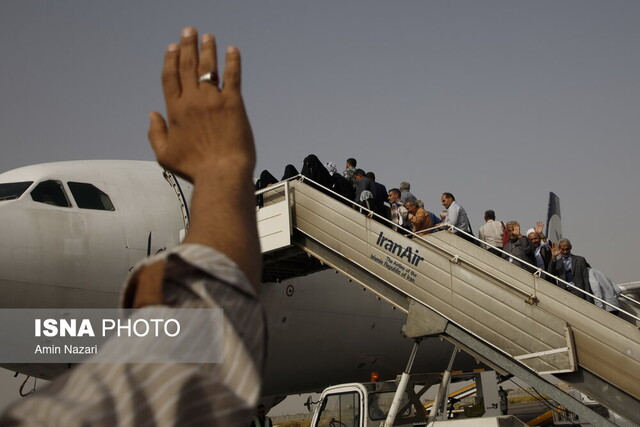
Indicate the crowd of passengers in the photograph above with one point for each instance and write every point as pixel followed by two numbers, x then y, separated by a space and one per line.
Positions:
pixel 399 207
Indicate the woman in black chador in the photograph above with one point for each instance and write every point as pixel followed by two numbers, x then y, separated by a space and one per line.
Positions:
pixel 264 181
pixel 315 170
pixel 289 172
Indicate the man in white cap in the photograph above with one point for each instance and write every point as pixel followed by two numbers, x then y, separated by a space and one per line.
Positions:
pixel 331 167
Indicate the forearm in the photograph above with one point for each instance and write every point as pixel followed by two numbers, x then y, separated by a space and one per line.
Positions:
pixel 223 217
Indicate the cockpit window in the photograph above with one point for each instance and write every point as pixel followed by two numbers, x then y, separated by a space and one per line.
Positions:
pixel 51 193
pixel 13 190
pixel 88 196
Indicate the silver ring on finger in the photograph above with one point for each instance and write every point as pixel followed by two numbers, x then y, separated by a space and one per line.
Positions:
pixel 210 77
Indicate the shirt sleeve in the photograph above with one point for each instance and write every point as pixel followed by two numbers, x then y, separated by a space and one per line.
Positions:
pixel 452 214
pixel 221 394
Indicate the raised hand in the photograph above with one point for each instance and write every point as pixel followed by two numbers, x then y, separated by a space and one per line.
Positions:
pixel 555 250
pixel 206 128
pixel 516 231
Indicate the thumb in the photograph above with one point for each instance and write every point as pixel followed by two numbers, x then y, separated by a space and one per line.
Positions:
pixel 157 133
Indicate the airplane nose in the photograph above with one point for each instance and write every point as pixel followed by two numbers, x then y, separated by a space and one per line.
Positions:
pixel 35 254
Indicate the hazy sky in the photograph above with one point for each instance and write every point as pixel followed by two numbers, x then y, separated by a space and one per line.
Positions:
pixel 498 102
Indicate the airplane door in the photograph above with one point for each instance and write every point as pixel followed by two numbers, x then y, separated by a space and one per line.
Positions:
pixel 157 217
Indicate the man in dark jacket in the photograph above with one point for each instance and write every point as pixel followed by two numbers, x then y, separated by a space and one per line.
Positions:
pixel 570 268
pixel 539 252
pixel 362 184
pixel 380 195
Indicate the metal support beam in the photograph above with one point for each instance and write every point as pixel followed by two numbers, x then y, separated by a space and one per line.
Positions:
pixel 543 386
pixel 397 398
pixel 442 391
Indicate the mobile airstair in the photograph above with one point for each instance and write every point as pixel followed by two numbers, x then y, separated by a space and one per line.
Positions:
pixel 512 320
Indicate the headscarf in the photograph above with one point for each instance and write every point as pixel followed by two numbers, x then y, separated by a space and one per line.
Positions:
pixel 265 179
pixel 289 172
pixel 315 170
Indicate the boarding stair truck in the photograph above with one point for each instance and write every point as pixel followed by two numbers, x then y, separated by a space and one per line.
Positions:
pixel 515 322
pixel 378 404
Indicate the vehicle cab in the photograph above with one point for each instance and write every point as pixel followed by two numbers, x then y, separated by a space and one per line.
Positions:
pixel 365 404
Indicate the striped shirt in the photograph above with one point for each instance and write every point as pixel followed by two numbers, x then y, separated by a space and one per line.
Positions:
pixel 221 394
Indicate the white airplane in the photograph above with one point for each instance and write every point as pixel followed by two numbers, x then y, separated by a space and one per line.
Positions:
pixel 71 231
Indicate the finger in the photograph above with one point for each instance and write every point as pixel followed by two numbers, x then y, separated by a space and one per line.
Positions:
pixel 188 62
pixel 170 75
pixel 232 69
pixel 157 134
pixel 208 57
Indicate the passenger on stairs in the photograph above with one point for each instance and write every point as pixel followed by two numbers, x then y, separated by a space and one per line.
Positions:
pixel 491 232
pixel 539 252
pixel 363 184
pixel 265 180
pixel 419 218
pixel 398 211
pixel 435 219
pixel 316 171
pixel 364 195
pixel 379 195
pixel 517 247
pixel 405 193
pixel 289 172
pixel 350 171
pixel 340 184
pixel 457 216
pixel 604 288
pixel 570 268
